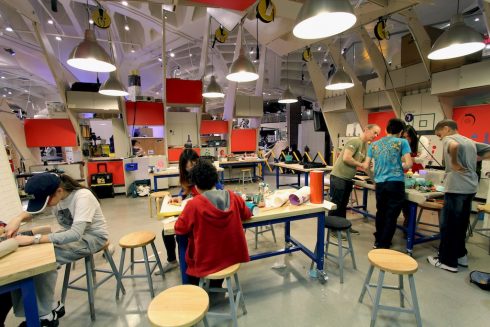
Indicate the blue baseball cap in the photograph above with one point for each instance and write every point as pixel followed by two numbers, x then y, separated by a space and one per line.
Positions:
pixel 41 187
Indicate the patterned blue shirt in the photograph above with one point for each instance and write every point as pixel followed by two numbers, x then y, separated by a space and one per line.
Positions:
pixel 387 154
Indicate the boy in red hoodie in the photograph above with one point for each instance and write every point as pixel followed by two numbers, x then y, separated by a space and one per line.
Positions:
pixel 213 223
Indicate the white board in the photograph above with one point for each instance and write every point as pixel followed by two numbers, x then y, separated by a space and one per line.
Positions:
pixel 9 199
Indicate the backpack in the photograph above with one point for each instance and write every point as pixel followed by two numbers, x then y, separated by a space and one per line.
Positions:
pixel 480 279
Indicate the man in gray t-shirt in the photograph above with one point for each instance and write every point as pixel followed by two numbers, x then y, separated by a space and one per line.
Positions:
pixel 461 184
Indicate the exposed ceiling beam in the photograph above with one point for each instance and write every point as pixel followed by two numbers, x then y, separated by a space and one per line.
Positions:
pixel 485 8
pixel 421 37
pixel 71 15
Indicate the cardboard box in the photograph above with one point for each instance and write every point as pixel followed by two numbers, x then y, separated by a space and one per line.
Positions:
pixel 409 52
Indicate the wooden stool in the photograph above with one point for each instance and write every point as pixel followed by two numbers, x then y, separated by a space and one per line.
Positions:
pixel 431 206
pixel 337 225
pixel 154 200
pixel 139 240
pixel 396 263
pixel 179 306
pixel 235 298
pixel 247 178
pixel 482 210
pixel 90 272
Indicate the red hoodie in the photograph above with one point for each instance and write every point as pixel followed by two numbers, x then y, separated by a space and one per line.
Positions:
pixel 216 237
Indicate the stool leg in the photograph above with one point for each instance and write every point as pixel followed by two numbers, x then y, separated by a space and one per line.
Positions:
pixel 66 281
pixel 231 298
pixel 341 255
pixel 121 271
pixel 240 297
pixel 273 233
pixel 415 302
pixel 90 285
pixel 351 249
pixel 366 283
pixel 157 259
pixel 132 261
pixel 148 272
pixel 205 321
pixel 400 286
pixel 151 207
pixel 117 275
pixel 379 288
pixel 327 243
pixel 419 217
pixel 256 236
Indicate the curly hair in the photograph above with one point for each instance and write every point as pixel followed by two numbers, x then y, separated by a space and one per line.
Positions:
pixel 204 175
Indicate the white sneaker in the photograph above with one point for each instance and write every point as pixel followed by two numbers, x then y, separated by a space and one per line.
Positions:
pixel 167 266
pixel 433 260
pixel 463 261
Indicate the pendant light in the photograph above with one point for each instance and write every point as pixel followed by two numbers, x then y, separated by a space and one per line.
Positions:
pixel 340 80
pixel 242 69
pixel 457 41
pixel 287 96
pixel 214 89
pixel 90 56
pixel 113 87
pixel 323 18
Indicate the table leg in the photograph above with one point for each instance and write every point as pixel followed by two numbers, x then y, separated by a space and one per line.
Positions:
pixel 223 177
pixel 182 247
pixel 365 198
pixel 277 177
pixel 155 184
pixel 287 232
pixel 306 178
pixel 255 173
pixel 299 180
pixel 30 304
pixel 412 217
pixel 320 241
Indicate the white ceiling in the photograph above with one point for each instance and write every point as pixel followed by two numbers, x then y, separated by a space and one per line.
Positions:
pixel 27 80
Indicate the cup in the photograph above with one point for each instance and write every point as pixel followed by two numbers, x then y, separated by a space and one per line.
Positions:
pixel 253 208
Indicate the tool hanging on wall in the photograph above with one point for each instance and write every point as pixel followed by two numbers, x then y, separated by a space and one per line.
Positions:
pixel 101 18
pixel 306 55
pixel 380 30
pixel 220 35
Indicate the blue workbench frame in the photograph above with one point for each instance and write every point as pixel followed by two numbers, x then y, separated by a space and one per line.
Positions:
pixel 28 291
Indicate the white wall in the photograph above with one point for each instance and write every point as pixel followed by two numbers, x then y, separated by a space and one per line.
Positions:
pixel 308 136
pixel 102 128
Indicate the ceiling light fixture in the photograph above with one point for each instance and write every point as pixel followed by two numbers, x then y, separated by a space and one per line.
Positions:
pixel 126 27
pixel 124 3
pixel 50 22
pixel 90 56
pixel 113 87
pixel 9 29
pixel 91 21
pixel 242 69
pixel 287 96
pixel 323 18
pixel 213 90
pixel 172 54
pixel 58 38
pixel 340 80
pixel 457 41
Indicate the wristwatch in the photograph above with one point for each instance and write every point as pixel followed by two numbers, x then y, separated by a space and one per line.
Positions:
pixel 37 238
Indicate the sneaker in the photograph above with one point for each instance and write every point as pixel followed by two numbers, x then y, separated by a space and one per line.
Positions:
pixel 463 261
pixel 51 321
pixel 167 266
pixel 59 310
pixel 354 231
pixel 433 260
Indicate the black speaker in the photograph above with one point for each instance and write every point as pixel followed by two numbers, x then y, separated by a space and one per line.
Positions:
pixel 319 122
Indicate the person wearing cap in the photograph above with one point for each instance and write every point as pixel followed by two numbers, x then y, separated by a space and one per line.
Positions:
pixel 84 231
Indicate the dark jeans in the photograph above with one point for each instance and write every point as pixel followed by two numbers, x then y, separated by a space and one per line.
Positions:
pixel 390 197
pixel 340 190
pixel 455 218
pixel 5 306
pixel 170 245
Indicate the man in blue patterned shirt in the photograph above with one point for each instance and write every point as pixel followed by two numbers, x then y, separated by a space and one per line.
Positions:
pixel 387 154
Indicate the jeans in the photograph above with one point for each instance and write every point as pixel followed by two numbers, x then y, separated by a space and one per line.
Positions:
pixel 340 190
pixel 455 218
pixel 170 245
pixel 390 197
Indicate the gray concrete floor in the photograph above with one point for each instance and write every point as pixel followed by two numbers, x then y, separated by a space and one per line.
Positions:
pixel 288 296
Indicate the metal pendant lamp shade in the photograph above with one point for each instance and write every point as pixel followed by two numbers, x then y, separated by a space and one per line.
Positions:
pixel 457 41
pixel 288 96
pixel 113 87
pixel 242 69
pixel 213 90
pixel 90 56
pixel 340 81
pixel 323 18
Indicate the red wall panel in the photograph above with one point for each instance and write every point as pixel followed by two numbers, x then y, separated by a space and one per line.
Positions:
pixel 381 119
pixel 244 140
pixel 49 132
pixel 147 113
pixel 214 127
pixel 184 92
pixel 174 153
pixel 114 167
pixel 473 122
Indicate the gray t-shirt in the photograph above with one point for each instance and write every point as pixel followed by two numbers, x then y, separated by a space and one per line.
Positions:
pixel 81 206
pixel 465 182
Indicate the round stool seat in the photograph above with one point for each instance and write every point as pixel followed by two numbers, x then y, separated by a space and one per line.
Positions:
pixel 160 194
pixel 179 306
pixel 136 239
pixel 338 223
pixel 246 170
pixel 393 261
pixel 428 205
pixel 229 271
pixel 106 245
